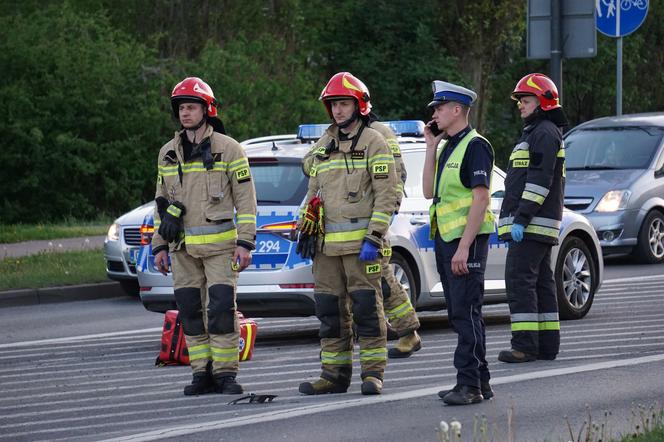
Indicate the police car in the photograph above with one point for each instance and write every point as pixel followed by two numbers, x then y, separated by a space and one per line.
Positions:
pixel 280 283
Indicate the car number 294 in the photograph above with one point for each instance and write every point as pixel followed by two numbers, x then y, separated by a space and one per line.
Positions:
pixel 268 247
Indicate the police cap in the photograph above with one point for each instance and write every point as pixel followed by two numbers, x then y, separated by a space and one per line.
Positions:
pixel 444 92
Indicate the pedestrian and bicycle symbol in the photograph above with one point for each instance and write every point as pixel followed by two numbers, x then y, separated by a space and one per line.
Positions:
pixel 617 18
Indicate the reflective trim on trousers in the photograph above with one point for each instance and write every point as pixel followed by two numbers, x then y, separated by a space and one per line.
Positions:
pixel 199 352
pixel 336 357
pixel 373 354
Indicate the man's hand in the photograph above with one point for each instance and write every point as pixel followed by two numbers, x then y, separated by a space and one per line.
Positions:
pixel 242 257
pixel 517 232
pixel 432 140
pixel 161 262
pixel 459 261
pixel 368 252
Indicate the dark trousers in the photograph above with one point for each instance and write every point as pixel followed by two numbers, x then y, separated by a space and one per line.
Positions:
pixel 464 296
pixel 531 293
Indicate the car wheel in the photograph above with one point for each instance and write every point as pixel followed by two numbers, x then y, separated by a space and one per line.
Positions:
pixel 650 246
pixel 576 277
pixel 404 275
pixel 129 286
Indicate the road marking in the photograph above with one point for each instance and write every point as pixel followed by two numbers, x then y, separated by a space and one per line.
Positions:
pixel 310 409
pixel 81 337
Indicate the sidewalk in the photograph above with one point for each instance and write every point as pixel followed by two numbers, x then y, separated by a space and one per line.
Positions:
pixel 83 292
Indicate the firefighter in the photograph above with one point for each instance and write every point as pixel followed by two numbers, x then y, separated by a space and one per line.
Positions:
pixel 353 176
pixel 397 307
pixel 206 219
pixel 457 175
pixel 530 220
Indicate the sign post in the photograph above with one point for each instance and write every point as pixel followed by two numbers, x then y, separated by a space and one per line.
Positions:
pixel 618 18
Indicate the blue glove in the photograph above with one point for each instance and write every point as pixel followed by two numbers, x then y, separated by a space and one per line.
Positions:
pixel 517 232
pixel 368 252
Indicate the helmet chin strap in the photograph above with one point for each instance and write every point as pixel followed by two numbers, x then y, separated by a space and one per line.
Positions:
pixel 348 122
pixel 195 128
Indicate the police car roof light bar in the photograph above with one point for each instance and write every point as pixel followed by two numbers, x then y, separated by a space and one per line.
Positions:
pixel 407 128
pixel 311 132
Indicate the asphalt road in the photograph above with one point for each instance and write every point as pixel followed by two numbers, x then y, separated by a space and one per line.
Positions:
pixel 84 371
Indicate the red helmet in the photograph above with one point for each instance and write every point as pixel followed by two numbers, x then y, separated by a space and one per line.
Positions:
pixel 540 86
pixel 345 85
pixel 194 89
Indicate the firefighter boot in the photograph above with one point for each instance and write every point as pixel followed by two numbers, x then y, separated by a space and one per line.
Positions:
pixel 406 346
pixel 463 395
pixel 322 386
pixel 201 384
pixel 485 388
pixel 515 356
pixel 371 385
pixel 225 384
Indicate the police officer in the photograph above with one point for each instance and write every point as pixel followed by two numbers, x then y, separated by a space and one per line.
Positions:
pixel 353 174
pixel 530 220
pixel 397 307
pixel 457 175
pixel 206 218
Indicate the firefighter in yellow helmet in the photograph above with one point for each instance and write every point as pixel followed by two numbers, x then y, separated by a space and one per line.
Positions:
pixel 352 185
pixel 398 309
pixel 206 220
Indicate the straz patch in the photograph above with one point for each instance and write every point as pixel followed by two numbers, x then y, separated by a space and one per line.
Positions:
pixel 380 170
pixel 313 171
pixel 387 251
pixel 160 179
pixel 243 175
pixel 357 155
pixel 520 163
pixel 394 147
pixel 372 269
pixel 321 151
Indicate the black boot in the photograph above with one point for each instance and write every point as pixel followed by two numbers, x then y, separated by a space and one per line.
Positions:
pixel 463 395
pixel 201 384
pixel 515 356
pixel 485 388
pixel 225 384
pixel 322 386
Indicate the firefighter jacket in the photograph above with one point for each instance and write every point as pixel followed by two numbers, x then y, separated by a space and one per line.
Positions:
pixel 535 184
pixel 220 199
pixel 449 212
pixel 357 181
pixel 392 144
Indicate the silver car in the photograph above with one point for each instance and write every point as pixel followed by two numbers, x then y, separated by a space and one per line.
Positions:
pixel 615 177
pixel 280 283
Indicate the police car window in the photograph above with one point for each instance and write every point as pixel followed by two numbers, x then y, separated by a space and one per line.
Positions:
pixel 279 183
pixel 611 148
pixel 414 162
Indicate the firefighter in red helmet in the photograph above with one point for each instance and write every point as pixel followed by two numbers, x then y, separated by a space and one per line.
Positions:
pixel 398 309
pixel 352 177
pixel 205 219
pixel 530 219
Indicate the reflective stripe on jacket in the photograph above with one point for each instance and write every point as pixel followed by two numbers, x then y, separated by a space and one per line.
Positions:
pixel 449 211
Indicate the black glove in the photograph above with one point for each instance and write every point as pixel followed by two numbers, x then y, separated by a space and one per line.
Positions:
pixel 162 205
pixel 306 245
pixel 171 221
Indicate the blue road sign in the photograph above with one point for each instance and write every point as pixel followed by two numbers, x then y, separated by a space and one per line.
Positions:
pixel 617 18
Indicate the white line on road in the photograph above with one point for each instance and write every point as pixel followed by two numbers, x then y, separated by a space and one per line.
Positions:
pixel 310 409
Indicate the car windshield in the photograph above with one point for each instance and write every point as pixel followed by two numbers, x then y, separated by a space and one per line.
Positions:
pixel 414 161
pixel 278 182
pixel 611 148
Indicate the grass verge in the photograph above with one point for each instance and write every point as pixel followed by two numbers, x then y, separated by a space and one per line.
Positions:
pixel 11 233
pixel 52 269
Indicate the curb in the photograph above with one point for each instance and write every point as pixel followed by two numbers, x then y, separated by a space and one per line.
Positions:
pixel 48 295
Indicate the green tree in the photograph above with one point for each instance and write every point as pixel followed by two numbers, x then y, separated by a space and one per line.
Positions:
pixel 83 108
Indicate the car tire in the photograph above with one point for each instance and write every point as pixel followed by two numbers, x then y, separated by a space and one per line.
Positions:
pixel 650 245
pixel 576 279
pixel 130 287
pixel 404 275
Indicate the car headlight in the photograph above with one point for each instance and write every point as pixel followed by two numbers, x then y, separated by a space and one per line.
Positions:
pixel 113 232
pixel 613 200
